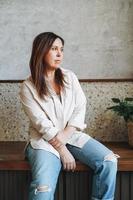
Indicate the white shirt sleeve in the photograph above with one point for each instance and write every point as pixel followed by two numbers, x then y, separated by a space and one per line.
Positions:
pixel 78 116
pixel 37 116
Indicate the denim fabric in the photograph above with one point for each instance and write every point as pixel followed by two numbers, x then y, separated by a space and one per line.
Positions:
pixel 46 167
pixel 103 162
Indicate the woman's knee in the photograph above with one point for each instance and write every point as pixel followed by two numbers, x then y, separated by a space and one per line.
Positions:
pixel 109 163
pixel 41 191
pixel 44 182
pixel 43 188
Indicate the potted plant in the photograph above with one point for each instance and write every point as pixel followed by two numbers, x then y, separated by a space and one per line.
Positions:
pixel 124 108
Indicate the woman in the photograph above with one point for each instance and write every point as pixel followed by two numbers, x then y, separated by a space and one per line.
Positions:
pixel 55 104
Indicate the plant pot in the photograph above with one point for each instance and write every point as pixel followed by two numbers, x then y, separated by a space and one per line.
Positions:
pixel 130 133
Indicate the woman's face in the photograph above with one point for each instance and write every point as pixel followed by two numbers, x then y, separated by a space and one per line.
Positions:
pixel 55 55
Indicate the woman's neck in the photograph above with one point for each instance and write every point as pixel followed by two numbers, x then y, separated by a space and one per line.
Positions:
pixel 50 74
pixel 50 78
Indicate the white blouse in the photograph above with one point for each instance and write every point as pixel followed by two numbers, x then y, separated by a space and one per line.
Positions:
pixel 49 116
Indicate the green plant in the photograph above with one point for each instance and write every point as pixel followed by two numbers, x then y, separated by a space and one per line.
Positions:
pixel 123 108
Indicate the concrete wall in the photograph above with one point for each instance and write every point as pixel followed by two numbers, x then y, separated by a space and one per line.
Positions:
pixel 98 35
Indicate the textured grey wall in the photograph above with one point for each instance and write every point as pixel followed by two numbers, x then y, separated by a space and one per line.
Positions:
pixel 98 35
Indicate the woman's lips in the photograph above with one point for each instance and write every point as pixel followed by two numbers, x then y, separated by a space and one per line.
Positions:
pixel 57 60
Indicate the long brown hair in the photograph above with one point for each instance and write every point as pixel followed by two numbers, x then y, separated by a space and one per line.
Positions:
pixel 41 45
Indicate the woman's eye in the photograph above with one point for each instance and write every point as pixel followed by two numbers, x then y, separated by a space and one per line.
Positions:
pixel 56 49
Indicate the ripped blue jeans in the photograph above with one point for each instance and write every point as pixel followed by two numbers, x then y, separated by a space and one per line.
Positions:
pixel 46 167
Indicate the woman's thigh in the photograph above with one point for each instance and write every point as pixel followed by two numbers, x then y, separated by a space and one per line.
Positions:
pixel 92 153
pixel 45 166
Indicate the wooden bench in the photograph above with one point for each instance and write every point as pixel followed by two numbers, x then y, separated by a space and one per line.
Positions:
pixel 12 156
pixel 15 174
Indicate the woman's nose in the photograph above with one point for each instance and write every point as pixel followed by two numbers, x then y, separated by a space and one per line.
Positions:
pixel 59 53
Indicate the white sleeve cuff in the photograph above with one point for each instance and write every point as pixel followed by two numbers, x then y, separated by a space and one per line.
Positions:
pixel 78 126
pixel 51 133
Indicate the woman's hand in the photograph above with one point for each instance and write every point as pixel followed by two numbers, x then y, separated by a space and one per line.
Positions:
pixel 67 158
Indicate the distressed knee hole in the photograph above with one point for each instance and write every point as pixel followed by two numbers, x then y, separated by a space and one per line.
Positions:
pixel 111 157
pixel 44 188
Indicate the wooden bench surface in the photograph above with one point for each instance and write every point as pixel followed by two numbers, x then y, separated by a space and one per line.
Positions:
pixel 12 156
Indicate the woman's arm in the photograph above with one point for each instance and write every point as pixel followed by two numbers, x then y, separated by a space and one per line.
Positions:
pixel 63 136
pixel 78 116
pixel 66 157
pixel 37 116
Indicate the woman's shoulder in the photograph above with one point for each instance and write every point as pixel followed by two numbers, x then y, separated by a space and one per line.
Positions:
pixel 69 73
pixel 28 81
pixel 66 71
pixel 27 84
